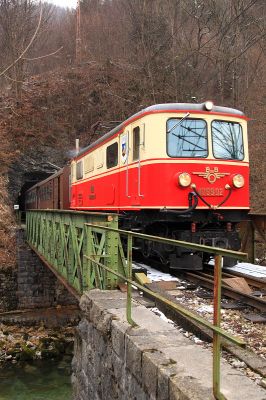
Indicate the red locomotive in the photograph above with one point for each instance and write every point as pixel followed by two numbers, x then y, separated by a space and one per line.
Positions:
pixel 173 170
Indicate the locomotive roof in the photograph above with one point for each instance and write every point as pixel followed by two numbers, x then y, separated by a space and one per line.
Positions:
pixel 163 107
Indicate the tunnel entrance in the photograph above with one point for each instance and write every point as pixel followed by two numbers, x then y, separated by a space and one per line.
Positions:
pixel 30 179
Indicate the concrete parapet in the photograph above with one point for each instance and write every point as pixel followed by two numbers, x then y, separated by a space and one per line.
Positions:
pixel 113 360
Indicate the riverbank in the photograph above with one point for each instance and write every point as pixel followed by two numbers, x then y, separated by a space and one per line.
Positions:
pixel 22 343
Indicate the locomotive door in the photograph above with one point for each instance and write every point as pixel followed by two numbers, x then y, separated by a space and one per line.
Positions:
pixel 135 181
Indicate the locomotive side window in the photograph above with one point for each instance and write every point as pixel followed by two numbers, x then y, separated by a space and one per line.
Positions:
pixel 187 138
pixel 99 155
pixel 136 141
pixel 112 155
pixel 79 170
pixel 89 164
pixel 227 140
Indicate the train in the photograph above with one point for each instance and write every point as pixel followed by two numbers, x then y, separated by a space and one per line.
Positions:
pixel 175 170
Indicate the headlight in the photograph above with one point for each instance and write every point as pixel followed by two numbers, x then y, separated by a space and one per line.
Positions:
pixel 238 181
pixel 208 105
pixel 184 179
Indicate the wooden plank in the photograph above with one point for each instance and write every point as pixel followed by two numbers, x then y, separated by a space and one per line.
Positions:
pixel 167 285
pixel 142 278
pixel 238 284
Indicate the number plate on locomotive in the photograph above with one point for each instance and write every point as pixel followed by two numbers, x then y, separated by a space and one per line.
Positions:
pixel 210 191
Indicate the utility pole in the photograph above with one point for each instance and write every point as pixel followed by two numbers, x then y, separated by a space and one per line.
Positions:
pixel 78 36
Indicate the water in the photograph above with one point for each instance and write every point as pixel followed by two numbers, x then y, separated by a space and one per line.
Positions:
pixel 40 380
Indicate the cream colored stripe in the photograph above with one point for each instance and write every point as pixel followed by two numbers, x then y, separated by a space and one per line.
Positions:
pixel 158 161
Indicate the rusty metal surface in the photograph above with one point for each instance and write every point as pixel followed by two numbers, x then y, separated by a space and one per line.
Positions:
pixel 258 303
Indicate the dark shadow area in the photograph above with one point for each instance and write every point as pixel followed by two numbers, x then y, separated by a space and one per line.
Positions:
pixel 30 179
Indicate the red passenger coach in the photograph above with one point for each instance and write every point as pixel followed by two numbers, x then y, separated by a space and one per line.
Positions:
pixel 52 193
pixel 175 170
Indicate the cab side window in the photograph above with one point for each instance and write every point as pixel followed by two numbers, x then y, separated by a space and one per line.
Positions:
pixel 112 155
pixel 79 170
pixel 136 141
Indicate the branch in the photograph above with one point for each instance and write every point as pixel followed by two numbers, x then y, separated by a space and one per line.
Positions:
pixel 29 45
pixel 11 79
pixel 116 95
pixel 46 55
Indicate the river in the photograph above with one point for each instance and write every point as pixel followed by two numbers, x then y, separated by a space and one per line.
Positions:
pixel 39 380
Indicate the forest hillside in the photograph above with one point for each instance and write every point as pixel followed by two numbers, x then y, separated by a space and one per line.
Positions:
pixel 58 82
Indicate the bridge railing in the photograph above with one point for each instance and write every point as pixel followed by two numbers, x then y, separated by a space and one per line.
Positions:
pixel 85 251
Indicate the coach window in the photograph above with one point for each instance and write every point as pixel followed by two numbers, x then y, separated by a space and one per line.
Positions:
pixel 112 155
pixel 79 170
pixel 136 141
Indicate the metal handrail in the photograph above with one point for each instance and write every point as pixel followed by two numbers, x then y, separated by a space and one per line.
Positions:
pixel 179 243
pixel 215 327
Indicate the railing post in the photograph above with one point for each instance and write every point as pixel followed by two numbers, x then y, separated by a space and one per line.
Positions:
pixel 217 322
pixel 129 276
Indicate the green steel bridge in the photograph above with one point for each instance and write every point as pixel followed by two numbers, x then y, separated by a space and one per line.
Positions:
pixel 84 250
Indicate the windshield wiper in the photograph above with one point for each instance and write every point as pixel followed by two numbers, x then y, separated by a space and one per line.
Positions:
pixel 179 122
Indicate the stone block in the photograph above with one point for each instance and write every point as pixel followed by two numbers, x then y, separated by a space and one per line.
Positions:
pixel 118 331
pixel 145 319
pixel 151 360
pixel 165 371
pixel 187 388
pixel 133 389
pixel 133 355
pixel 82 329
pixel 149 374
pixel 118 369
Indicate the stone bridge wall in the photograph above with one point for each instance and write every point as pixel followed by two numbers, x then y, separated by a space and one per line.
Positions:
pixel 8 288
pixel 37 286
pixel 152 361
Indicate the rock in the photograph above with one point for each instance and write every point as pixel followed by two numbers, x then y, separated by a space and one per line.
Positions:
pixel 48 354
pixel 38 354
pixel 263 383
pixel 45 341
pixel 26 354
pixel 13 352
pixel 30 369
pixel 238 364
pixel 60 346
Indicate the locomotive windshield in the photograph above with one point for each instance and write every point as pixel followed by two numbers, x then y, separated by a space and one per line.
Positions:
pixel 227 140
pixel 187 138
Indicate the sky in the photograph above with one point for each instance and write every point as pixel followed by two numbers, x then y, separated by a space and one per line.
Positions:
pixel 64 3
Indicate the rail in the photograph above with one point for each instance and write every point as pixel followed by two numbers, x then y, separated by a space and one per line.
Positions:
pixel 85 250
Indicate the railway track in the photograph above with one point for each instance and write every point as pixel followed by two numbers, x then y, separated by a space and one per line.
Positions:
pixel 206 280
pixel 256 282
pixel 170 290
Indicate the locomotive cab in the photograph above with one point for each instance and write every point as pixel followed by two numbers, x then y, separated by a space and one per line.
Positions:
pixel 176 170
